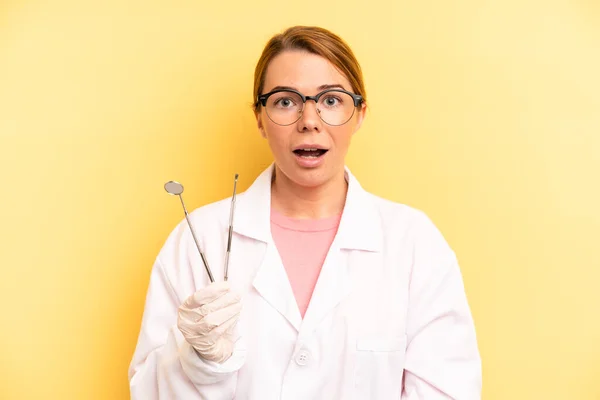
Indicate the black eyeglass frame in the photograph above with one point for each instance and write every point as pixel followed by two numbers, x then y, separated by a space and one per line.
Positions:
pixel 358 99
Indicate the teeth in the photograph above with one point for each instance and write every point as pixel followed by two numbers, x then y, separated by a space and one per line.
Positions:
pixel 309 149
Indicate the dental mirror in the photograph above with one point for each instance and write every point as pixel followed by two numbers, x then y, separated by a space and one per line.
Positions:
pixel 176 188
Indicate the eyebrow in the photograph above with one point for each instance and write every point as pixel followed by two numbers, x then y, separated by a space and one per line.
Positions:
pixel 322 87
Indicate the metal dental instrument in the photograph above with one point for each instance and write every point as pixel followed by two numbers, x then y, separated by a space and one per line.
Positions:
pixel 231 210
pixel 176 188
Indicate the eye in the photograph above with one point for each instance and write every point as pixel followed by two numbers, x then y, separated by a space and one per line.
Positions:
pixel 332 101
pixel 284 102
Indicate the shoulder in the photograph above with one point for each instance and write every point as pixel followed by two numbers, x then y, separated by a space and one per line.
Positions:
pixel 410 232
pixel 393 212
pixel 413 224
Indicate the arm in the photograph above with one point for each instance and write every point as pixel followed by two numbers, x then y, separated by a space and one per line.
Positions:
pixel 442 357
pixel 164 365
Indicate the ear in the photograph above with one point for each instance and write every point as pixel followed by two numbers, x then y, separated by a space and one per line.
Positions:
pixel 259 123
pixel 362 113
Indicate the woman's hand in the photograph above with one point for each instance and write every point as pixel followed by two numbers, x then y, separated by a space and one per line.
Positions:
pixel 207 320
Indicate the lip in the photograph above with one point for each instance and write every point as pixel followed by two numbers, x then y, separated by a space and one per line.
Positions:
pixel 309 146
pixel 312 162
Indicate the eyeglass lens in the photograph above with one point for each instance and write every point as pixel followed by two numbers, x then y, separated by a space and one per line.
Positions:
pixel 334 108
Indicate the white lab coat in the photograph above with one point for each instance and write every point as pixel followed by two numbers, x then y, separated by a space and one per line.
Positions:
pixel 388 319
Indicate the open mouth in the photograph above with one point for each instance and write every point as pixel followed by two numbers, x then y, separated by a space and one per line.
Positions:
pixel 310 153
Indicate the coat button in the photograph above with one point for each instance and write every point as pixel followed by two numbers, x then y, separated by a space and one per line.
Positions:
pixel 302 357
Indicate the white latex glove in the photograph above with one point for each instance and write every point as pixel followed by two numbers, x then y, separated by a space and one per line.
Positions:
pixel 207 320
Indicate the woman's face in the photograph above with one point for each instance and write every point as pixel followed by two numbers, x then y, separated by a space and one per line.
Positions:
pixel 309 74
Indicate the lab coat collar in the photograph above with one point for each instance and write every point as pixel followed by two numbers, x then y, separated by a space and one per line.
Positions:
pixel 360 224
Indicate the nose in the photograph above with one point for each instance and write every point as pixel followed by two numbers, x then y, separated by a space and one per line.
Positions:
pixel 309 120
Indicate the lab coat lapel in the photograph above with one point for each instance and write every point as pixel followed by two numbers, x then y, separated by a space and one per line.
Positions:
pixel 333 285
pixel 272 283
pixel 360 229
pixel 253 219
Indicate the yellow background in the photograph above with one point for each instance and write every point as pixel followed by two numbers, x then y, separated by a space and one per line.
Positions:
pixel 486 115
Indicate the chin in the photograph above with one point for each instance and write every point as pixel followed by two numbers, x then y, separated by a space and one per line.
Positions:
pixel 309 181
pixel 307 177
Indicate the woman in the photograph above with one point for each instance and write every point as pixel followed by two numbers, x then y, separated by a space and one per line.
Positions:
pixel 333 293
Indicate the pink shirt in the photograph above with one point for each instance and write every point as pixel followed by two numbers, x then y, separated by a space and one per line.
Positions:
pixel 303 245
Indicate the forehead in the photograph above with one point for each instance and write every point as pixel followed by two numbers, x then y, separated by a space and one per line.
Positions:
pixel 302 70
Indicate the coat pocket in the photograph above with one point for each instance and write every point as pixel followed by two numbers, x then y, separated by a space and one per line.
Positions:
pixel 379 367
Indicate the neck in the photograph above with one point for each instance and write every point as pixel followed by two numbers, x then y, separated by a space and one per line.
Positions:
pixel 297 201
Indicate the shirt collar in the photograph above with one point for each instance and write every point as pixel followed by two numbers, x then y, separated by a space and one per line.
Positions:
pixel 360 224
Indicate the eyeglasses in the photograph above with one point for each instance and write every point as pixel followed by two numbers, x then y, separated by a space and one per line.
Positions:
pixel 334 106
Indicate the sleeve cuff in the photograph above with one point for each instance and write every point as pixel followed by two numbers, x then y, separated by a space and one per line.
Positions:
pixel 203 372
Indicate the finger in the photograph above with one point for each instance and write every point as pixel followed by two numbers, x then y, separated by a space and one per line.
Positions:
pixel 224 301
pixel 215 320
pixel 218 352
pixel 203 342
pixel 188 317
pixel 227 328
pixel 197 313
pixel 195 320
